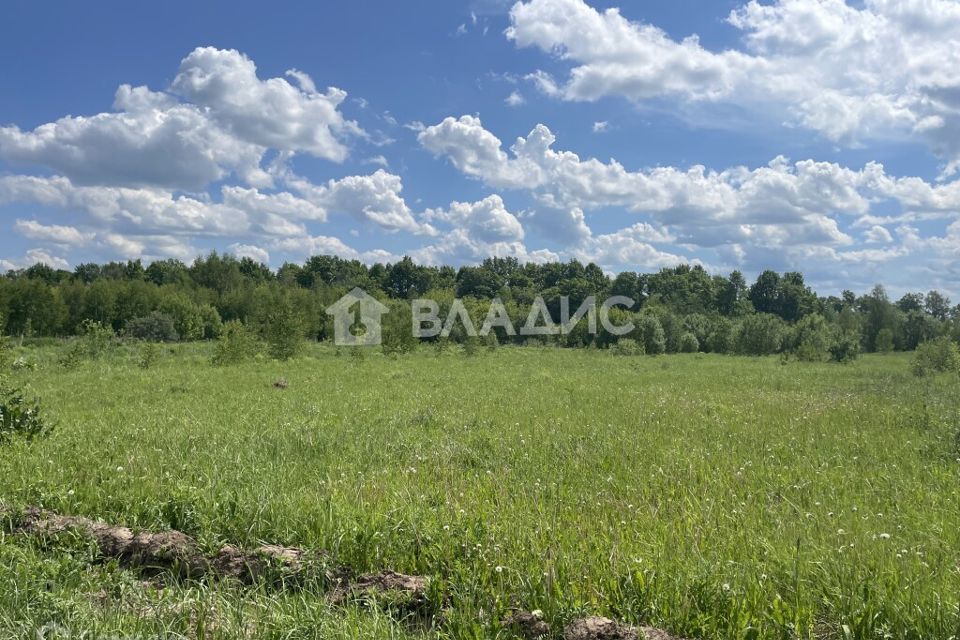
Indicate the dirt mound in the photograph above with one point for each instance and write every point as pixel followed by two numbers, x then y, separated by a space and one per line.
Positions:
pixel 405 592
pixel 528 624
pixel 164 551
pixel 177 552
pixel 268 561
pixel 651 633
pixel 597 628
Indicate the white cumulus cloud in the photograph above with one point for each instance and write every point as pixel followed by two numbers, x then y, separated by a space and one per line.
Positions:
pixel 882 69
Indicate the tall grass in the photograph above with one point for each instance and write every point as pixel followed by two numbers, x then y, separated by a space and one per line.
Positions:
pixel 717 497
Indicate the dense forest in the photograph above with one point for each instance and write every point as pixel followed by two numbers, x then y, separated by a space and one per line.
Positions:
pixel 678 309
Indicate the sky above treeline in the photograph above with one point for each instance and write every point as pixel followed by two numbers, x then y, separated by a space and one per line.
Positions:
pixel 810 135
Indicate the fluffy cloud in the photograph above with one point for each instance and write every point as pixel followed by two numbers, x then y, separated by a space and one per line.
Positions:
pixel 228 119
pixel 458 246
pixel 486 220
pixel 877 235
pixel 305 246
pixel 372 198
pixel 515 99
pixel 772 206
pixel 896 76
pixel 147 210
pixel 250 251
pixel 57 234
pixel 630 248
pixel 151 141
pixel 32 257
pixel 270 113
pixel 480 230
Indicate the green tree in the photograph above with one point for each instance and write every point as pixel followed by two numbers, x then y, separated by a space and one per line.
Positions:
pixel 760 334
pixel 650 334
pixel 281 326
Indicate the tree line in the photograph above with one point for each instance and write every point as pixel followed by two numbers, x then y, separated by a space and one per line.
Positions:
pixel 677 309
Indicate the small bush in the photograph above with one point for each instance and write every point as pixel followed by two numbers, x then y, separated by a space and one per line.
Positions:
pixel 20 416
pixel 22 364
pixel 73 355
pixel 235 344
pixel 282 329
pixel 627 347
pixel 812 338
pixel 149 355
pixel 760 334
pixel 689 343
pixel 884 341
pixel 936 356
pixel 651 333
pixel 471 344
pixel 153 327
pixel 721 339
pixel 6 351
pixel 845 347
pixel 96 337
pixel 396 336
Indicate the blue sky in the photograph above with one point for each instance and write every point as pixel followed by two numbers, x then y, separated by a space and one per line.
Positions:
pixel 805 135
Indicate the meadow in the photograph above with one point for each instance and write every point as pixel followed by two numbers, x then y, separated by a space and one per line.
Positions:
pixel 712 496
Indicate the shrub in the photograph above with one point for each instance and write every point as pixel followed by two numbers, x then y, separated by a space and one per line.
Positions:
pixel 721 338
pixel 396 333
pixel 149 355
pixel 845 346
pixel 689 343
pixel 72 356
pixel 6 352
pixel 884 341
pixel 20 416
pixel 235 344
pixel 96 337
pixel 627 347
pixel 760 334
pixel 813 338
pixel 651 333
pixel 936 356
pixel 153 327
pixel 471 344
pixel 22 364
pixel 282 328
pixel 186 316
pixel 212 324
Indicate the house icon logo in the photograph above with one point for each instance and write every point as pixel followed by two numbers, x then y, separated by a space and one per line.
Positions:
pixel 343 318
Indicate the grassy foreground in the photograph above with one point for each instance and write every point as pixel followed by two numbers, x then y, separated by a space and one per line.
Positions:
pixel 716 497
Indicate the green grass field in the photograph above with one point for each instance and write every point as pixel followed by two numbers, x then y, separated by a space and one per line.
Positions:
pixel 712 496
